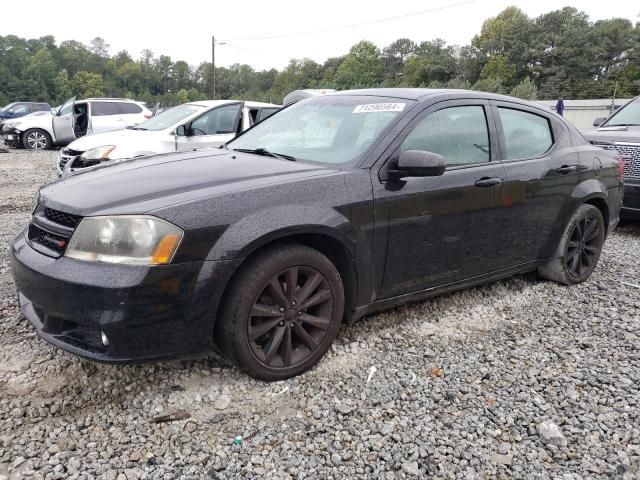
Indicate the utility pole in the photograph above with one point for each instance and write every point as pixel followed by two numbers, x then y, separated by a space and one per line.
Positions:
pixel 213 68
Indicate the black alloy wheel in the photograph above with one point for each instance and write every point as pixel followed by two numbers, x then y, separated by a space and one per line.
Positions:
pixel 282 312
pixel 579 249
pixel 583 247
pixel 290 317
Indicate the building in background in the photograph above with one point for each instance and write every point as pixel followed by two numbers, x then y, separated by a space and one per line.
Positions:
pixel 582 113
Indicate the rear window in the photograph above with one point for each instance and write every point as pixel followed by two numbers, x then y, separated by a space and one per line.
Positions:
pixel 100 109
pixel 129 108
pixel 526 135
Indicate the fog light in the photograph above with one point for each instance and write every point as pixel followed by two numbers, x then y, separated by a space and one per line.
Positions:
pixel 105 340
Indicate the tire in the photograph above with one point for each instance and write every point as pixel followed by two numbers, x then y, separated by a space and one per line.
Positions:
pixel 36 139
pixel 579 249
pixel 294 321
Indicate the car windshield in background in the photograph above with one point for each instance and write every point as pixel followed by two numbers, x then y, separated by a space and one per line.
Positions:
pixel 335 129
pixel 627 116
pixel 168 118
pixel 7 107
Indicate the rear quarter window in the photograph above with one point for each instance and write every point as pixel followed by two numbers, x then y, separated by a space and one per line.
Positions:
pixel 526 135
pixel 129 108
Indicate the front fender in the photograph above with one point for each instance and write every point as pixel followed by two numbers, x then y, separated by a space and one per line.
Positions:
pixel 264 226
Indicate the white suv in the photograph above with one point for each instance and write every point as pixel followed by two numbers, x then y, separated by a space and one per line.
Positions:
pixel 207 123
pixel 75 119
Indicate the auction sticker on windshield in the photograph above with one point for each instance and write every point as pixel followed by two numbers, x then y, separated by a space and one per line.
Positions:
pixel 379 107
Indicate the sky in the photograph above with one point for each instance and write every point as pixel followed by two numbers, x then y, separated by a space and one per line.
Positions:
pixel 183 30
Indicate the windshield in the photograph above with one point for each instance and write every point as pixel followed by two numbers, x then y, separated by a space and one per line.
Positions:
pixel 332 129
pixel 168 118
pixel 627 115
pixel 7 107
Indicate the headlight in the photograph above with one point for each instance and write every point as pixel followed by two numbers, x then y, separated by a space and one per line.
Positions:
pixel 99 153
pixel 135 240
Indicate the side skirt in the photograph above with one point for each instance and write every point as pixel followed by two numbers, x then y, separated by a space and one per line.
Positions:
pixel 388 303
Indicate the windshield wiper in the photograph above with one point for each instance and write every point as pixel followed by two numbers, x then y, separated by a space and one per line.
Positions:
pixel 621 125
pixel 266 153
pixel 136 128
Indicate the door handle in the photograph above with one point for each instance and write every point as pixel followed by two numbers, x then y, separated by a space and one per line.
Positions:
pixel 487 182
pixel 565 169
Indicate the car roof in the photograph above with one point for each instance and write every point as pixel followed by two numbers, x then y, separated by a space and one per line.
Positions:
pixel 429 94
pixel 215 103
pixel 108 99
pixel 425 94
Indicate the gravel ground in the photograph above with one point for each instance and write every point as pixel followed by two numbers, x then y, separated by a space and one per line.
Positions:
pixel 517 379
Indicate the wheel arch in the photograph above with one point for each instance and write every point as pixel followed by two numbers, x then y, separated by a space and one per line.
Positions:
pixel 323 239
pixel 593 192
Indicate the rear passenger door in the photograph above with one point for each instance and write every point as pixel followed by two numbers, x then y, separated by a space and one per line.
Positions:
pixel 106 116
pixel 542 170
pixel 432 231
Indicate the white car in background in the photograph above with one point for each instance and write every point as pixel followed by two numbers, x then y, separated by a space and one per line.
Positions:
pixel 75 119
pixel 189 126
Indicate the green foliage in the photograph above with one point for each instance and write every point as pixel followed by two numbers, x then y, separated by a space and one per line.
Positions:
pixel 363 66
pixel 526 90
pixel 87 84
pixel 558 53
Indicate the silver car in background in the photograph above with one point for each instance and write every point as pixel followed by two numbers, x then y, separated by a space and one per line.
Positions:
pixel 207 123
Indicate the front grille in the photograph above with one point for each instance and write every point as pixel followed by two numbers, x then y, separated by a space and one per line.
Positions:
pixel 631 154
pixel 50 230
pixel 66 219
pixel 52 241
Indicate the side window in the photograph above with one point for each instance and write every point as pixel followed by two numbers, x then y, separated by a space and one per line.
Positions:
pixel 459 134
pixel 20 108
pixel 101 109
pixel 526 135
pixel 129 108
pixel 266 112
pixel 217 121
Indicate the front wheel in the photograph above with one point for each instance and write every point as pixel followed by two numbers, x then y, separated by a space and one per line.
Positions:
pixel 579 249
pixel 282 312
pixel 36 139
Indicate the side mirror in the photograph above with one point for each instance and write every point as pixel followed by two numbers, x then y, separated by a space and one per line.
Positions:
pixel 418 163
pixel 182 131
pixel 599 121
pixel 54 112
pixel 11 111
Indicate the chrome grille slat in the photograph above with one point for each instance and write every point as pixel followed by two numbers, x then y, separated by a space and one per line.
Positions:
pixel 632 157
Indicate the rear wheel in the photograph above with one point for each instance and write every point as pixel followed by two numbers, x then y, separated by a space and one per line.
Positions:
pixel 579 248
pixel 36 139
pixel 282 312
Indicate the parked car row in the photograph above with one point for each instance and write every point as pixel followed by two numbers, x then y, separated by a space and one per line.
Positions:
pixel 335 207
pixel 74 119
pixel 185 127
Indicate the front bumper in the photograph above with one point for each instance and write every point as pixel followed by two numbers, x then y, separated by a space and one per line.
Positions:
pixel 631 201
pixel 10 137
pixel 146 313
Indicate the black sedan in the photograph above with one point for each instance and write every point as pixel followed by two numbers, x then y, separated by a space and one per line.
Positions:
pixel 333 208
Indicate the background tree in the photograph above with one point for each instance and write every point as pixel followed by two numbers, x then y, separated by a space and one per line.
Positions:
pixel 561 52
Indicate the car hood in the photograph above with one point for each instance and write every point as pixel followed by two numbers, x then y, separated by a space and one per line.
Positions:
pixel 119 138
pixel 144 184
pixel 613 134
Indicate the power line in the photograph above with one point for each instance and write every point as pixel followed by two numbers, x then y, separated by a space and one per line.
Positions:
pixel 353 25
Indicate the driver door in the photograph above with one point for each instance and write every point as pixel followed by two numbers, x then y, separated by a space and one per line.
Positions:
pixel 63 122
pixel 213 128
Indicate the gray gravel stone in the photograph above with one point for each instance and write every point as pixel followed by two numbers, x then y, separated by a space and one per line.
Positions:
pixel 460 387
